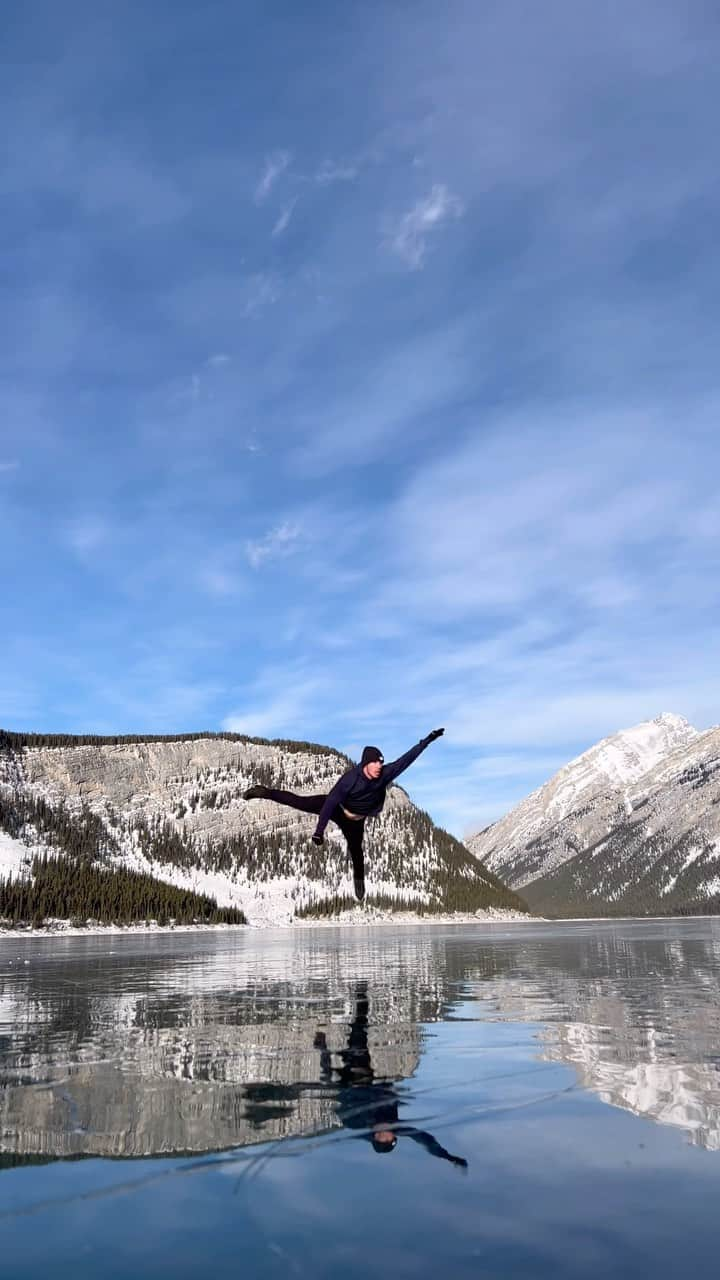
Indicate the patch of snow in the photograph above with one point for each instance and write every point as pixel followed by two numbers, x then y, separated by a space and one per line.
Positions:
pixel 693 855
pixel 13 856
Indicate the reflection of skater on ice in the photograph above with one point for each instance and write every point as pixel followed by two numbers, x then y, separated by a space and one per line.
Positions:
pixel 365 1103
pixel 357 795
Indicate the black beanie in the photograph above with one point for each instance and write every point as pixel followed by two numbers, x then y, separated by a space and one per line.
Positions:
pixel 372 753
pixel 383 1148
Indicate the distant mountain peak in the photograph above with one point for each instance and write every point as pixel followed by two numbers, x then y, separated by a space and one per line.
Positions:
pixel 633 823
pixel 629 753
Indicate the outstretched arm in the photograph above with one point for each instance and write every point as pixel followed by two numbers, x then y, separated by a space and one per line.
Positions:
pixel 399 766
pixel 430 1144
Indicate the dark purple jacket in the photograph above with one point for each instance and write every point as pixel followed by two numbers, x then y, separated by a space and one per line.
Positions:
pixel 365 796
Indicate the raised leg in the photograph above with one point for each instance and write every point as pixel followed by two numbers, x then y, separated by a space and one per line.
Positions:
pixel 306 804
pixel 353 831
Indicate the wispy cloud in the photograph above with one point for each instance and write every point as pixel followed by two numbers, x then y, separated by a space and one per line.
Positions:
pixel 218 359
pixel 279 542
pixel 404 386
pixel 5 467
pixel 275 165
pixel 283 221
pixel 524 510
pixel 276 707
pixel 261 290
pixel 410 236
pixel 329 173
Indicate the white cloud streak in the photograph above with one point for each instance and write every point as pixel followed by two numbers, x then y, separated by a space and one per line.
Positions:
pixel 275 166
pixel 278 543
pixel 409 238
pixel 284 219
pixel 532 509
pixel 329 173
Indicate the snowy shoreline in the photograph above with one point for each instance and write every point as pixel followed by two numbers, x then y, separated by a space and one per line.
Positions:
pixel 358 917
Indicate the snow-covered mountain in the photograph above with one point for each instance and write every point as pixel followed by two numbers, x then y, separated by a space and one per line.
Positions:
pixel 173 808
pixel 632 825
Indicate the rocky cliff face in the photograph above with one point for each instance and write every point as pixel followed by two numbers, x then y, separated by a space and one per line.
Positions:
pixel 174 808
pixel 632 826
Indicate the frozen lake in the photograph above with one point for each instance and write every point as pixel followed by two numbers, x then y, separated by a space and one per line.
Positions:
pixel 508 1101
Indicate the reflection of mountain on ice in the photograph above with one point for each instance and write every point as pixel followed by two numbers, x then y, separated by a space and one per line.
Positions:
pixel 684 1094
pixel 177 1068
pixel 640 1028
pixel 202 1043
pixel 169 1091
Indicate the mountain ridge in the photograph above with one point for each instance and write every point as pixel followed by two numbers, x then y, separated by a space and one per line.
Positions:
pixel 171 807
pixel 621 829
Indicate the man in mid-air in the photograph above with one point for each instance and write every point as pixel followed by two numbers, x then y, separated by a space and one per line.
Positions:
pixel 359 794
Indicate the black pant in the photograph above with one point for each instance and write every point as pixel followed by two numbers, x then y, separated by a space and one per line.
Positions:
pixel 352 828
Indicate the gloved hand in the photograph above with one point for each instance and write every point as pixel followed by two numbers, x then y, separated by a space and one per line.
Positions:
pixel 436 733
pixel 318 838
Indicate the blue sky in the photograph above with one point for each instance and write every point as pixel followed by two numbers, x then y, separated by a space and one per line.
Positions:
pixel 359 375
